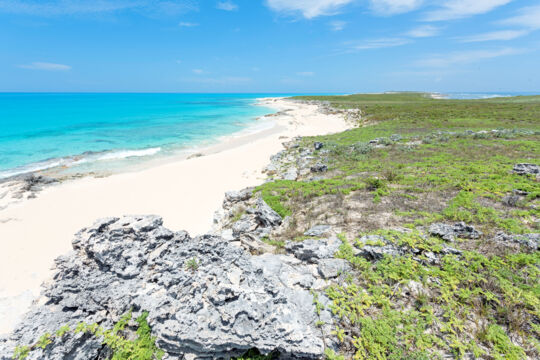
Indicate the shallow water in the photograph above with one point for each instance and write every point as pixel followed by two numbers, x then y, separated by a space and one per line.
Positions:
pixel 46 130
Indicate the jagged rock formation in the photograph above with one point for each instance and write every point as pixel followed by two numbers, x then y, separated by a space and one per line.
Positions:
pixel 231 302
pixel 450 232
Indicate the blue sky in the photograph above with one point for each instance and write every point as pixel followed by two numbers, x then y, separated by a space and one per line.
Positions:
pixel 304 46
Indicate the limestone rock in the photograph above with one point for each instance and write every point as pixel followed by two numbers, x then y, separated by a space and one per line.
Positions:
pixel 266 215
pixel 233 302
pixel 291 174
pixel 318 230
pixel 313 250
pixel 526 169
pixel 450 232
pixel 531 241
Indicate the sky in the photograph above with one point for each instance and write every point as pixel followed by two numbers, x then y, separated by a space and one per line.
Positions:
pixel 279 46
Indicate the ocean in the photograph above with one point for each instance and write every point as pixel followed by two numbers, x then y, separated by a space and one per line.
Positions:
pixel 89 131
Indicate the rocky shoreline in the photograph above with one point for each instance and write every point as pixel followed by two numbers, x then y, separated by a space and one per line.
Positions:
pixel 251 283
pixel 212 296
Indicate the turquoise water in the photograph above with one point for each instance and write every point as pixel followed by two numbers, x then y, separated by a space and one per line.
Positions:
pixel 46 130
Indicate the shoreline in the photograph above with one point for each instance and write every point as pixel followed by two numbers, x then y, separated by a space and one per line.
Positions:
pixel 186 193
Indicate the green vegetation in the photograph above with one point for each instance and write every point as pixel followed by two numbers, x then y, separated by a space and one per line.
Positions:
pixel 143 347
pixel 431 161
pixel 192 264
pixel 404 308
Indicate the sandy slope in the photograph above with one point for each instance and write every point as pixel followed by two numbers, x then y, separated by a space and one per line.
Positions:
pixel 185 193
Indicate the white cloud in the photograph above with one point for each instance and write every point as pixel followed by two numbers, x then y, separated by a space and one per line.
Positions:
pixel 198 71
pixel 338 25
pixel 376 43
pixel 305 73
pixel 457 9
pixel 423 31
pixel 529 17
pixel 227 6
pixel 308 8
pixel 45 66
pixel 464 57
pixel 81 7
pixel 495 35
pixel 187 24
pixel 391 7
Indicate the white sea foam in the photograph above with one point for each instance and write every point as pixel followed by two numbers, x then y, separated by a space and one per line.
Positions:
pixel 79 160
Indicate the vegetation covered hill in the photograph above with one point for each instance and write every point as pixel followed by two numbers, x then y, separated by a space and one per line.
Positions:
pixel 416 165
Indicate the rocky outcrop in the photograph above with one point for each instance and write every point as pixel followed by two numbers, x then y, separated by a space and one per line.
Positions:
pixel 530 241
pixel 526 169
pixel 229 303
pixel 450 232
pixel 376 247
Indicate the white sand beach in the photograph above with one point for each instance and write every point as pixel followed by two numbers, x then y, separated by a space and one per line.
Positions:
pixel 185 193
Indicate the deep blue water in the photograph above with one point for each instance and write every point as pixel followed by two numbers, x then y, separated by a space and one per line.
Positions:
pixel 43 130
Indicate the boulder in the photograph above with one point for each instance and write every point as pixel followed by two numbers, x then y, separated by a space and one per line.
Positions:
pixel 318 145
pixel 332 268
pixel 266 216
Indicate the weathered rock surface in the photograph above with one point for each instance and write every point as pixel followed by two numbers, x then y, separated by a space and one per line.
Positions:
pixel 233 302
pixel 450 232
pixel 313 250
pixel 531 241
pixel 318 230
pixel 526 169
pixel 237 196
pixel 376 247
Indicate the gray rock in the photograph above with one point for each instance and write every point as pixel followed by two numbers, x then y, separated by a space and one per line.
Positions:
pixel 511 200
pixel 331 268
pixel 291 174
pixel 313 250
pixel 318 230
pixel 450 232
pixel 245 224
pixel 374 252
pixel 319 168
pixel 318 145
pixel 447 250
pixel 237 196
pixel 266 216
pixel 233 301
pixel 531 241
pixel 526 169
